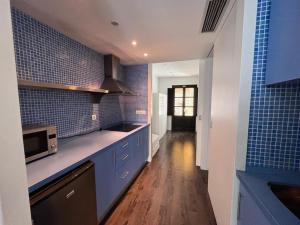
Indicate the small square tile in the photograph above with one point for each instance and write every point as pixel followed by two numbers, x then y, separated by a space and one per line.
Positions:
pixel 274 123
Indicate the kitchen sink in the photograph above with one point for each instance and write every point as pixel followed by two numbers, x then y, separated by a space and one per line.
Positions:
pixel 289 196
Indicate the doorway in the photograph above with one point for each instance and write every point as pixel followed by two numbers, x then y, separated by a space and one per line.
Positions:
pixel 183 102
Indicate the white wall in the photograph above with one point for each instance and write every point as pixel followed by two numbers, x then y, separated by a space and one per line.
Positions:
pixel 1 214
pixel 13 181
pixel 166 82
pixel 232 74
pixel 154 84
pixel 204 112
pixel 159 114
pixel 149 109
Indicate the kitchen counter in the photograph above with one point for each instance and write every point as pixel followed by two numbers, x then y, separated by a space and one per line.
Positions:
pixel 256 183
pixel 71 153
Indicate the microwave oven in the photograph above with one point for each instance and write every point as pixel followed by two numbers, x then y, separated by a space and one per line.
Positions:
pixel 39 141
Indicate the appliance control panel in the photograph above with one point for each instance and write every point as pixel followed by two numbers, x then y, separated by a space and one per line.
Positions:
pixel 52 139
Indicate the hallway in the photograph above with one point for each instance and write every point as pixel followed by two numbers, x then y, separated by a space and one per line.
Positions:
pixel 169 191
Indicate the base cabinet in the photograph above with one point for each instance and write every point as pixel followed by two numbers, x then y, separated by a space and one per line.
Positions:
pixel 146 144
pixel 105 183
pixel 248 212
pixel 116 167
pixel 140 149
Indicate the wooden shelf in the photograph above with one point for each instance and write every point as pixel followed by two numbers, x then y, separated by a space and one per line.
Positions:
pixel 44 85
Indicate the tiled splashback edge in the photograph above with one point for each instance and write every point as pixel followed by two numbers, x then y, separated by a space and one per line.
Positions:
pixel 274 126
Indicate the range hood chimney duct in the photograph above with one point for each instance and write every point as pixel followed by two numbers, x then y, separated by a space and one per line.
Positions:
pixel 111 82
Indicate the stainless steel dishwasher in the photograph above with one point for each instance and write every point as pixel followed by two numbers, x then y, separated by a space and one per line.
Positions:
pixel 70 200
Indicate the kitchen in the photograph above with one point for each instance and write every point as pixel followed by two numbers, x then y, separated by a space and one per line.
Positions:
pixel 76 113
pixel 73 114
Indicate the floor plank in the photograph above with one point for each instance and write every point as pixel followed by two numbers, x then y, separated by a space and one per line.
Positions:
pixel 170 190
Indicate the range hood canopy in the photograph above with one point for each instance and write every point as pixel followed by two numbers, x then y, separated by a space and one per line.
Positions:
pixel 111 81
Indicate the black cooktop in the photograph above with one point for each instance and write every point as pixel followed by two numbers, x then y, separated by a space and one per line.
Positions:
pixel 124 127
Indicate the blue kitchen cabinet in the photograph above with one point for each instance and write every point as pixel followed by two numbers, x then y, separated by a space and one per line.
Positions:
pixel 140 150
pixel 146 143
pixel 123 177
pixel 137 151
pixel 123 171
pixel 123 153
pixel 116 167
pixel 130 156
pixel 248 211
pixel 283 50
pixel 105 184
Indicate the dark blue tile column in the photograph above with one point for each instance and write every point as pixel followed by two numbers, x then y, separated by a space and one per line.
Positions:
pixel 274 128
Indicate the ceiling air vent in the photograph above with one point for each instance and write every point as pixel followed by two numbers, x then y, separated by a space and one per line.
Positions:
pixel 213 14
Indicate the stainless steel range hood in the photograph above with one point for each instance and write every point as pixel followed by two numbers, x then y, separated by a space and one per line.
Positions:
pixel 111 81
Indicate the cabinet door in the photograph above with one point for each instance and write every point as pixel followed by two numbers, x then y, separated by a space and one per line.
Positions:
pixel 283 50
pixel 123 176
pixel 123 153
pixel 137 151
pixel 123 172
pixel 105 174
pixel 145 144
pixel 249 213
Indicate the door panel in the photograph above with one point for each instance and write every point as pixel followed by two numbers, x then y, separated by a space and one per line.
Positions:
pixel 185 107
pixel 181 123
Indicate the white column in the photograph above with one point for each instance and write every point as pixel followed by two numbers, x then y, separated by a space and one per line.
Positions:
pixel 13 181
pixel 204 111
pixel 231 93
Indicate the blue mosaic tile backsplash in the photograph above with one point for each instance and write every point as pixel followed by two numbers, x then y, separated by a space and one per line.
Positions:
pixel 70 111
pixel 137 80
pixel 43 54
pixel 274 128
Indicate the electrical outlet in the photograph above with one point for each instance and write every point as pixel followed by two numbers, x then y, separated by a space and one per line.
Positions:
pixel 140 112
pixel 94 117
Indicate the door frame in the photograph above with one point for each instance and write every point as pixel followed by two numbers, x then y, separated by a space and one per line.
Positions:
pixel 191 119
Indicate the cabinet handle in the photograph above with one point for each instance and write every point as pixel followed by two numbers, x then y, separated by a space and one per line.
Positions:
pixel 125 157
pixel 125 145
pixel 70 194
pixel 125 175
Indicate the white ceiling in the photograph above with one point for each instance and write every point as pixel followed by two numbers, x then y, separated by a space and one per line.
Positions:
pixel 169 30
pixel 176 69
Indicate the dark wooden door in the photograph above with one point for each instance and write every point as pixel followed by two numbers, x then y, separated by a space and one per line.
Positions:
pixel 185 99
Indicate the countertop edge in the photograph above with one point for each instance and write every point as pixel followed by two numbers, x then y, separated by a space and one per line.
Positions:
pixel 248 180
pixel 260 204
pixel 34 184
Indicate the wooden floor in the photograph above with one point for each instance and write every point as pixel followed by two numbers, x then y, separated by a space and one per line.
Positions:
pixel 170 190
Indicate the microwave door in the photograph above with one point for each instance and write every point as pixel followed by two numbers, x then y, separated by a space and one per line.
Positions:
pixel 35 145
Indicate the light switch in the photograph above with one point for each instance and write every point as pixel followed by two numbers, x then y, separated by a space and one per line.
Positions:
pixel 94 117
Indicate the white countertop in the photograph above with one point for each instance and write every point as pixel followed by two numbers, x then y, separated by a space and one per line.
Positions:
pixel 71 151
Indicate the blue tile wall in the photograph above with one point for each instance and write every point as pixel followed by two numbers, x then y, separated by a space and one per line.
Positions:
pixel 111 111
pixel 43 54
pixel 274 128
pixel 136 77
pixel 70 111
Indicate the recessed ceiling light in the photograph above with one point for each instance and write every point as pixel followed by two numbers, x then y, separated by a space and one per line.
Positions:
pixel 114 23
pixel 145 54
pixel 134 43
